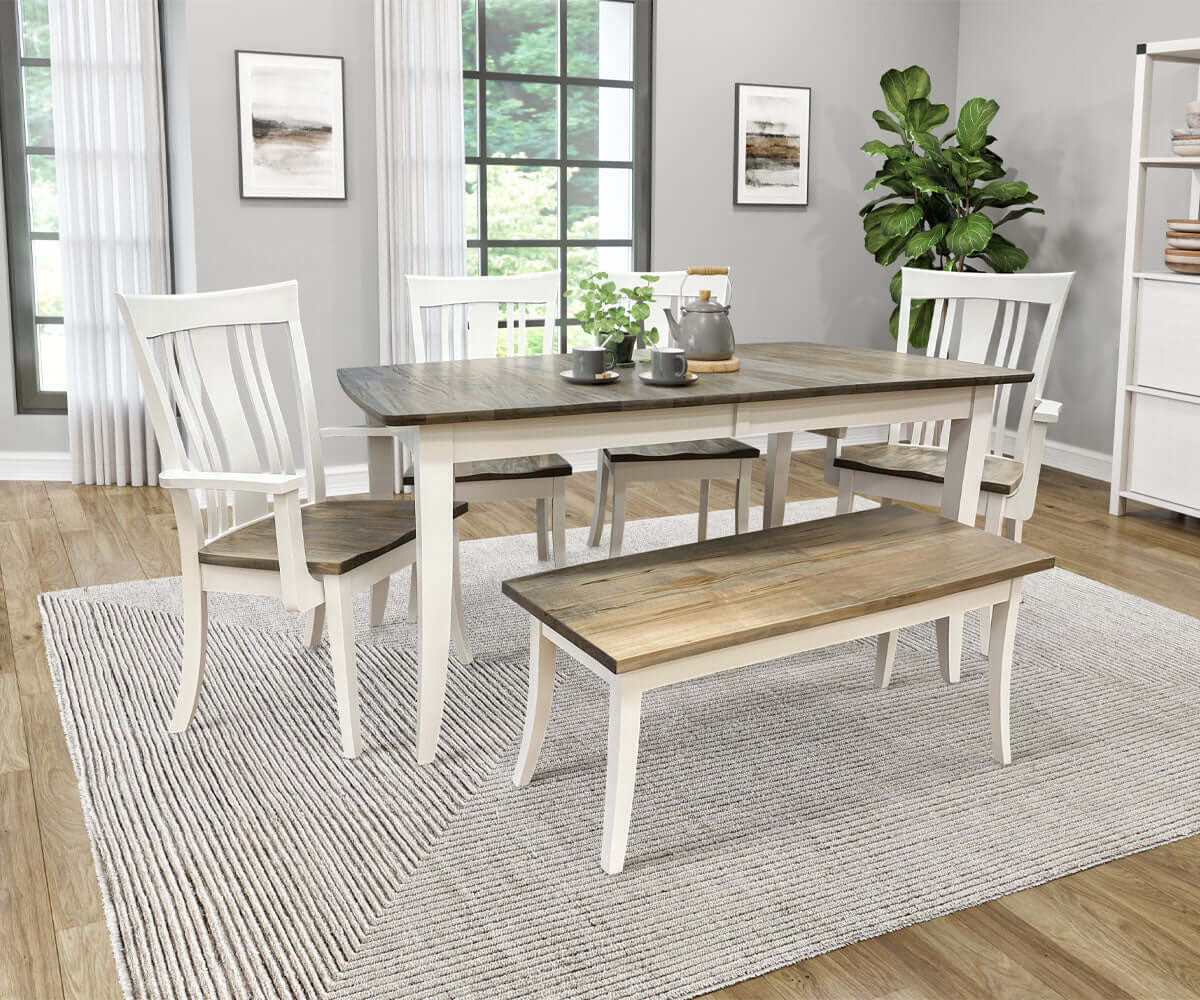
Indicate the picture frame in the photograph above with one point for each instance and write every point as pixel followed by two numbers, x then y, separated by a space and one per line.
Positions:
pixel 291 125
pixel 771 128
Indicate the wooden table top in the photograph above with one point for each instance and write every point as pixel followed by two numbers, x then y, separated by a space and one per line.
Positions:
pixel 512 388
pixel 643 609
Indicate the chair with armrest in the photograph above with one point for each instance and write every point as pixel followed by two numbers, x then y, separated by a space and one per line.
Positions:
pixel 220 427
pixel 982 318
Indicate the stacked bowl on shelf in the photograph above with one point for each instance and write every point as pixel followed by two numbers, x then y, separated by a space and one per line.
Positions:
pixel 1183 235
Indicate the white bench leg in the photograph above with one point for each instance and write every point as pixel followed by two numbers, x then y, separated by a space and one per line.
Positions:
pixel 537 702
pixel 617 530
pixel 885 657
pixel 340 602
pixel 558 508
pixel 624 727
pixel 845 501
pixel 316 626
pixel 702 521
pixel 993 525
pixel 1000 654
pixel 543 536
pixel 601 500
pixel 949 644
pixel 741 523
pixel 195 648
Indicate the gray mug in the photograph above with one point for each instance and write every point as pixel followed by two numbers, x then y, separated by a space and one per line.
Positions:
pixel 668 364
pixel 588 362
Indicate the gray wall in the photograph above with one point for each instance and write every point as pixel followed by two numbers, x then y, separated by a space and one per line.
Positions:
pixel 1063 75
pixel 799 273
pixel 224 241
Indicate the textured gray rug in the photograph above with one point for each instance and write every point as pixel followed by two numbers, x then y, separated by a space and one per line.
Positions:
pixel 781 811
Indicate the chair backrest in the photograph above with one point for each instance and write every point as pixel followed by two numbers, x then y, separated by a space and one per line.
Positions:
pixel 210 393
pixel 985 318
pixel 499 310
pixel 672 289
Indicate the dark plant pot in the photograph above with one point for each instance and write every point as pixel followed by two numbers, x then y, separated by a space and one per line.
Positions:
pixel 623 352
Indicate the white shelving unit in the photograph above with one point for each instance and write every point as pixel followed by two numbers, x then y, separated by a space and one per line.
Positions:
pixel 1156 439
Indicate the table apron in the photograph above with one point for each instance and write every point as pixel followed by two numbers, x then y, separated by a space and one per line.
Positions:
pixel 496 439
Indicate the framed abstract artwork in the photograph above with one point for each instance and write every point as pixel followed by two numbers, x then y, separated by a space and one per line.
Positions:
pixel 291 125
pixel 770 160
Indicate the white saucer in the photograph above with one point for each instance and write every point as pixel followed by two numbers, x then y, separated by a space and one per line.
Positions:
pixel 649 379
pixel 604 378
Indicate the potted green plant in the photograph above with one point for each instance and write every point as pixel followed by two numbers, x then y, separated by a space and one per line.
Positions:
pixel 616 317
pixel 934 214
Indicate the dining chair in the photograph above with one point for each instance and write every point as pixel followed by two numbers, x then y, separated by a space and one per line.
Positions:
pixel 499 312
pixel 721 458
pixel 265 526
pixel 982 318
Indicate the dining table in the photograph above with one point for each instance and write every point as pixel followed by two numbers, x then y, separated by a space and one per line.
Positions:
pixel 451 412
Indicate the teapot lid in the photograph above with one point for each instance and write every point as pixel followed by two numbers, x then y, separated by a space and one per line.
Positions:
pixel 704 304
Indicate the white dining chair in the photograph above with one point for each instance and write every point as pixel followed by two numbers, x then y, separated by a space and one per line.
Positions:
pixel 220 426
pixel 504 316
pixel 720 458
pixel 982 318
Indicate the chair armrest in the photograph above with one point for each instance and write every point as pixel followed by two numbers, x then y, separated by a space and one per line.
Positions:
pixel 252 482
pixel 1046 411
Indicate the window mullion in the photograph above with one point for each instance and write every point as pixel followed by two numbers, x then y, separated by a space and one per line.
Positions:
pixel 562 173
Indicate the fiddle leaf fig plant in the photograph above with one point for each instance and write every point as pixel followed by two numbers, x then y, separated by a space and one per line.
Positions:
pixel 612 314
pixel 939 191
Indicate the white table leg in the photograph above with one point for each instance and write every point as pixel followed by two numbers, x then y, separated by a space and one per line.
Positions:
pixel 434 465
pixel 960 501
pixel 381 481
pixel 779 464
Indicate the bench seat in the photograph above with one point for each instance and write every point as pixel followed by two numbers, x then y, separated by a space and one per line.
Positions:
pixel 661 617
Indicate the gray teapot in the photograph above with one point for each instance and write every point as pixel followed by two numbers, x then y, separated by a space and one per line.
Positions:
pixel 703 329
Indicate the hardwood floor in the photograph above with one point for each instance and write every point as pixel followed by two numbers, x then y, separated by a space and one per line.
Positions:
pixel 1130 928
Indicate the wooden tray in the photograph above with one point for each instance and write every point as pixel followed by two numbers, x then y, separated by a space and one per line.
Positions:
pixel 728 365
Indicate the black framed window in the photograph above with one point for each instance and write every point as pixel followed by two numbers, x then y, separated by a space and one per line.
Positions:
pixel 31 207
pixel 557 101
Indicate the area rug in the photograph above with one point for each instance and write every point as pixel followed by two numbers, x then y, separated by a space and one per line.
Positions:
pixel 781 810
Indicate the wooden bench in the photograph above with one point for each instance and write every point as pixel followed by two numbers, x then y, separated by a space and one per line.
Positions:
pixel 644 621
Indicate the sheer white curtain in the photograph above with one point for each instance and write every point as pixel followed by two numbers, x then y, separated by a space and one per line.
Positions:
pixel 112 203
pixel 419 136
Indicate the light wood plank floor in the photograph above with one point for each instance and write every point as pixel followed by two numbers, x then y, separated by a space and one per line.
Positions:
pixel 1130 928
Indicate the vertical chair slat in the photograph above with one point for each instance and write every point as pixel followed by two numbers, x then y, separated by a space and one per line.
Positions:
pixel 279 428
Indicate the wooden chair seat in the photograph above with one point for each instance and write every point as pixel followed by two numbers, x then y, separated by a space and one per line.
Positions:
pixel 909 461
pixel 552 466
pixel 640 610
pixel 683 451
pixel 339 535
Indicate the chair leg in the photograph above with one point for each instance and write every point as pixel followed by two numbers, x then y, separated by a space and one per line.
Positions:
pixel 1000 655
pixel 845 500
pixel 885 657
pixel 379 599
pixel 741 522
pixel 340 603
pixel 414 596
pixel 316 626
pixel 602 476
pixel 617 533
pixel 537 703
pixel 558 507
pixel 624 726
pixel 458 618
pixel 702 521
pixel 949 643
pixel 993 525
pixel 195 650
pixel 543 536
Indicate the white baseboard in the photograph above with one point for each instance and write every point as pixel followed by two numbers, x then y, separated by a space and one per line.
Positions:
pixel 46 466
pixel 343 480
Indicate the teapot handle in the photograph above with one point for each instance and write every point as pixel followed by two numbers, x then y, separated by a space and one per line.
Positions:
pixel 715 271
